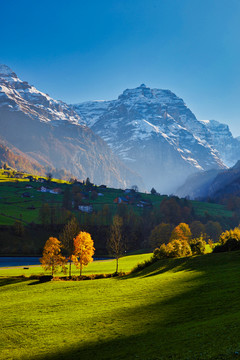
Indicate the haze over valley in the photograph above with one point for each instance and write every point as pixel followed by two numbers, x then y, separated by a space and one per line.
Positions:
pixel 147 137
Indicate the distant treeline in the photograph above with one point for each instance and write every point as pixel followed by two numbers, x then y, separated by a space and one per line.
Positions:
pixel 147 228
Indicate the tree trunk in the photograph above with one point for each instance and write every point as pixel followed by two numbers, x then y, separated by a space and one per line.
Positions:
pixel 81 270
pixel 70 268
pixel 116 265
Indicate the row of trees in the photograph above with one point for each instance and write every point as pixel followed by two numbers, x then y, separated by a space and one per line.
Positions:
pixel 165 232
pixel 181 244
pixel 80 251
pixel 77 246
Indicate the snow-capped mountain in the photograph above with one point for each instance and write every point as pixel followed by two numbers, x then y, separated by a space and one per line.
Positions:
pixel 150 131
pixel 18 95
pixel 154 133
pixel 53 134
pixel 223 141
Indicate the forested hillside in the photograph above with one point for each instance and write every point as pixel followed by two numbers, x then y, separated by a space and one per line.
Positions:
pixel 32 208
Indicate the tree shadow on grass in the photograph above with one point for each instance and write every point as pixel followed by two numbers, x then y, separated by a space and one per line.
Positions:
pixel 193 320
pixel 40 279
pixel 35 280
pixel 12 280
pixel 195 263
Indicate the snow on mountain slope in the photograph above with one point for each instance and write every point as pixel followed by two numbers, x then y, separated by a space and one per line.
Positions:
pixel 223 141
pixel 155 133
pixel 53 134
pixel 18 95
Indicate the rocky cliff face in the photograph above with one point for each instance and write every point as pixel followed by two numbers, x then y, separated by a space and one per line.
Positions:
pixel 223 141
pixel 54 135
pixel 154 133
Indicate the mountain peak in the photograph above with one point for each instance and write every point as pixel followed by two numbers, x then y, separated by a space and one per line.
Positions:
pixel 237 165
pixel 142 86
pixel 6 71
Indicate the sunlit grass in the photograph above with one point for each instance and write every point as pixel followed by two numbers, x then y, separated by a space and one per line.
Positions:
pixel 175 309
pixel 96 267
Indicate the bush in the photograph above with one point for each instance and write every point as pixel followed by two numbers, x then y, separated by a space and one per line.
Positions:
pixel 198 246
pixel 160 234
pixel 229 241
pixel 87 277
pixel 176 248
pixel 180 248
pixel 161 253
pixel 229 245
pixel 231 234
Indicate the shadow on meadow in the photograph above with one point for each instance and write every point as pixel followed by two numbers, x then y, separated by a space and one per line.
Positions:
pixel 197 263
pixel 197 320
pixel 34 279
pixel 12 280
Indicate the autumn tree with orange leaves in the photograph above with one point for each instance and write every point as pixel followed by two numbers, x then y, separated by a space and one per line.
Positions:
pixel 52 257
pixel 181 232
pixel 83 250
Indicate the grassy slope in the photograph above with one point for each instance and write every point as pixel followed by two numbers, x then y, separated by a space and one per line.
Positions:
pixel 175 309
pixel 14 206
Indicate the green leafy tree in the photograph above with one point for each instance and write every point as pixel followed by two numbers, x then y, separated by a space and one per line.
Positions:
pixel 94 195
pixel 153 191
pixel 67 199
pixel 171 211
pixel 45 214
pixel 197 229
pixel 213 230
pixel 18 228
pixel 160 235
pixel 106 214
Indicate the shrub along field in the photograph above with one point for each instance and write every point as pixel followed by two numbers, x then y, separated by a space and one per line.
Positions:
pixel 186 308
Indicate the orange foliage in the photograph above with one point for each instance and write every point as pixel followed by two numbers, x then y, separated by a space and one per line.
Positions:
pixel 52 257
pixel 84 250
pixel 181 232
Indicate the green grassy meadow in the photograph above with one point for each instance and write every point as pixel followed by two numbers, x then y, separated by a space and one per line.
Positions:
pixel 186 308
pixel 201 208
pixel 13 206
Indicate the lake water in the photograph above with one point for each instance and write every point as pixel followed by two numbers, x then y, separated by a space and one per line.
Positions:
pixel 25 260
pixel 19 261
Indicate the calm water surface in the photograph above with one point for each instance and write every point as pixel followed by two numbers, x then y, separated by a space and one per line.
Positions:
pixel 24 261
pixel 19 261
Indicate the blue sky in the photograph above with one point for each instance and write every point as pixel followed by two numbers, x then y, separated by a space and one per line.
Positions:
pixel 79 50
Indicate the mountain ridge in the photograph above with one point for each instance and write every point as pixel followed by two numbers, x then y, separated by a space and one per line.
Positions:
pixel 148 137
pixel 52 133
pixel 157 123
